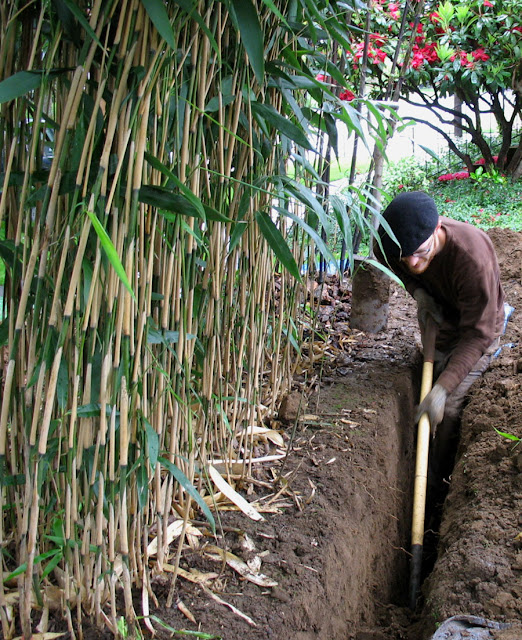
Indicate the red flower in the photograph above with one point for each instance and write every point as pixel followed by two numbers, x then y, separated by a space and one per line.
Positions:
pixel 419 27
pixel 430 52
pixel 480 54
pixel 460 175
pixel 378 39
pixel 359 48
pixel 378 55
pixel 487 3
pixel 347 95
pixel 464 60
pixel 417 60
pixel 393 8
pixel 374 55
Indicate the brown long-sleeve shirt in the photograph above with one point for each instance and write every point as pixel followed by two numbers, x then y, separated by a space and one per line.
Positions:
pixel 464 279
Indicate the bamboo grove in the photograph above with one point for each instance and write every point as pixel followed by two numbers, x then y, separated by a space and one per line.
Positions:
pixel 152 305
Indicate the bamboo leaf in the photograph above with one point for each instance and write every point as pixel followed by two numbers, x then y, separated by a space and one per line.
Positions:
pixel 430 152
pixel 312 233
pixel 193 199
pixel 54 562
pixel 233 495
pixel 251 35
pixel 19 84
pixel 282 124
pixel 74 9
pixel 155 336
pixel 189 488
pixel 166 199
pixel 22 82
pixel 277 243
pixel 110 251
pixel 92 410
pixel 42 556
pixel 62 386
pixel 184 632
pixel 160 19
pixel 214 214
pixel 215 103
pixel 152 438
pixel 4 332
pixel 308 198
pixel 384 269
pixel 142 482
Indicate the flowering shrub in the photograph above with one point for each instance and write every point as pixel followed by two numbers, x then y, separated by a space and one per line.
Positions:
pixel 459 175
pixel 469 48
pixel 405 175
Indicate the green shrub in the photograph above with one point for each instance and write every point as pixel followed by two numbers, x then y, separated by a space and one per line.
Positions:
pixel 485 205
pixel 405 175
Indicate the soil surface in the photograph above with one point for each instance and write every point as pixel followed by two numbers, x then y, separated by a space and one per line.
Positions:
pixel 330 559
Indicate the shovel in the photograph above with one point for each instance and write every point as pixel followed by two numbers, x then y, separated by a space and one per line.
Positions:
pixel 421 465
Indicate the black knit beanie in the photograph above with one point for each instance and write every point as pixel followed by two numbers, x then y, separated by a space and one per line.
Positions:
pixel 412 217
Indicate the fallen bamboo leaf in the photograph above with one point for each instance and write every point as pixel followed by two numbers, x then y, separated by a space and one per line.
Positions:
pixel 241 567
pixel 311 496
pixel 331 460
pixel 173 531
pixel 271 458
pixel 268 434
pixel 53 597
pixel 186 611
pixel 146 609
pixel 231 607
pixel 255 564
pixel 233 495
pixel 351 423
pixel 44 636
pixel 192 576
pixel 310 418
pixel 214 498
pixel 247 543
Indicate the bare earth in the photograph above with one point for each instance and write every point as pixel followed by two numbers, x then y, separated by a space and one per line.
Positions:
pixel 337 511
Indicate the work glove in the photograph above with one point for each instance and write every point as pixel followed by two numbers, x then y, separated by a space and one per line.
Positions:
pixel 433 404
pixel 426 305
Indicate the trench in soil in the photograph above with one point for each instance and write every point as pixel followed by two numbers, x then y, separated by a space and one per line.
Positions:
pixel 367 568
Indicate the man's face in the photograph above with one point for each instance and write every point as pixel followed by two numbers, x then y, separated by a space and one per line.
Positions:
pixel 419 261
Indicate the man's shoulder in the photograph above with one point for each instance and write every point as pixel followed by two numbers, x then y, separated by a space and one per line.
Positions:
pixel 469 247
pixel 464 231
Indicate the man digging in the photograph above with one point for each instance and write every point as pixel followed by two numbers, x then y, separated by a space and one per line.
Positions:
pixel 451 270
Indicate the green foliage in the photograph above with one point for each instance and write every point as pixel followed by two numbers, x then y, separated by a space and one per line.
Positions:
pixel 508 436
pixel 482 177
pixel 486 205
pixel 407 174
